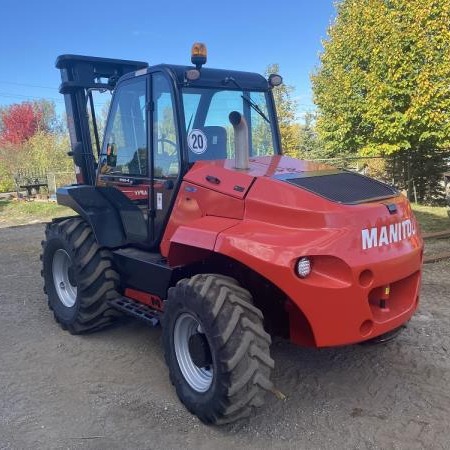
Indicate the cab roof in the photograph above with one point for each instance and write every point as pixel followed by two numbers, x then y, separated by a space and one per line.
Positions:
pixel 208 77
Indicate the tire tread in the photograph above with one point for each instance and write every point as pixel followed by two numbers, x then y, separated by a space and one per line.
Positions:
pixel 97 280
pixel 240 339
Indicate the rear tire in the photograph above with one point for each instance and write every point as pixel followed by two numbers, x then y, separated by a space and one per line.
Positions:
pixel 216 348
pixel 78 277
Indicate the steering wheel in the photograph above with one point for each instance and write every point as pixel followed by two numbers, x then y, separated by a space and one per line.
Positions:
pixel 167 141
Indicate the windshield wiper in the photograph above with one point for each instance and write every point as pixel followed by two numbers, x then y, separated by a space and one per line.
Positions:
pixel 248 100
pixel 255 107
pixel 189 124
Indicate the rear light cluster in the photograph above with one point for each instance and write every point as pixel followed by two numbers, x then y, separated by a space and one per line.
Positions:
pixel 320 270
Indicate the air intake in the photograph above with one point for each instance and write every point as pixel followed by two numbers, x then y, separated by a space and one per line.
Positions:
pixel 342 187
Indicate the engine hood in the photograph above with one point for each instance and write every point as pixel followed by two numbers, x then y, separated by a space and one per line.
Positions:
pixel 320 179
pixel 223 177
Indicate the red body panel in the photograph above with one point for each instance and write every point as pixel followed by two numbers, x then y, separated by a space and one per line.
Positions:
pixel 270 224
pixel 195 202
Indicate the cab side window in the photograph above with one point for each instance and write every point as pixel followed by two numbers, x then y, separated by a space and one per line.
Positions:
pixel 165 142
pixel 125 143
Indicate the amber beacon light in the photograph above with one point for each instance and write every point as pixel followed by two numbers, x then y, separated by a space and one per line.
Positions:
pixel 198 54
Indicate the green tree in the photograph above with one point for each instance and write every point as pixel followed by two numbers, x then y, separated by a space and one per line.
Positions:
pixel 309 143
pixel 9 162
pixel 49 120
pixel 286 111
pixel 383 85
pixel 46 151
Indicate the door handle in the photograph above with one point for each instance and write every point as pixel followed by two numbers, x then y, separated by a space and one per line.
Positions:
pixel 213 180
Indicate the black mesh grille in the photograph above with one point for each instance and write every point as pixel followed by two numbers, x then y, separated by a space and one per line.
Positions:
pixel 344 187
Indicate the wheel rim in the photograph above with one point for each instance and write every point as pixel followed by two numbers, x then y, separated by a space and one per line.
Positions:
pixel 65 286
pixel 199 378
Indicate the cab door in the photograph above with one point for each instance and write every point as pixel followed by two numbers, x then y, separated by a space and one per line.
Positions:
pixel 124 162
pixel 141 160
pixel 165 152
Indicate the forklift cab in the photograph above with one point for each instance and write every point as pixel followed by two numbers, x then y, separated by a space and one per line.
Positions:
pixel 162 120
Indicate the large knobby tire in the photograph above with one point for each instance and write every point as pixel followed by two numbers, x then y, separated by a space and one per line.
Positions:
pixel 216 348
pixel 78 277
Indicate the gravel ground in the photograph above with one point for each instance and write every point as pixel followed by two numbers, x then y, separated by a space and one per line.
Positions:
pixel 110 390
pixel 435 247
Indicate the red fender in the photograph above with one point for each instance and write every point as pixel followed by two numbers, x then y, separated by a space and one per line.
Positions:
pixel 193 241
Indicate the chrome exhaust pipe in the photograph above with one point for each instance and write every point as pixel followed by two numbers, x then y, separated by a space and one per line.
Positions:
pixel 241 149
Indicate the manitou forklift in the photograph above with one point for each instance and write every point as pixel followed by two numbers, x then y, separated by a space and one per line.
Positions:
pixel 189 216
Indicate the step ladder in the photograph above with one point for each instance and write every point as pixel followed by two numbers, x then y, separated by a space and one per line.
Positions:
pixel 135 309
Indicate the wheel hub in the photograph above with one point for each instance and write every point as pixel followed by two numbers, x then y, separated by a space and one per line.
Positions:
pixel 193 353
pixel 71 276
pixel 199 350
pixel 64 278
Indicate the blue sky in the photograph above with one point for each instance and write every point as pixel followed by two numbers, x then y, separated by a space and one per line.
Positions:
pixel 242 35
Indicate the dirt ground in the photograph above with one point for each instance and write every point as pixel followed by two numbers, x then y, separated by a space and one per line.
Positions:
pixel 111 390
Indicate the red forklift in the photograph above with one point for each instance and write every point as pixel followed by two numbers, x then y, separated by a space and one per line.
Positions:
pixel 188 215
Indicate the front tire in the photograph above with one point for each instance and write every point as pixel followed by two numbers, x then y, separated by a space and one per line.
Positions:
pixel 216 348
pixel 78 277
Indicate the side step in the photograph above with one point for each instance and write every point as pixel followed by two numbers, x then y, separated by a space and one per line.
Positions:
pixel 135 309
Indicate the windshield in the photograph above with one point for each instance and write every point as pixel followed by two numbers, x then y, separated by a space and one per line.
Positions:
pixel 210 134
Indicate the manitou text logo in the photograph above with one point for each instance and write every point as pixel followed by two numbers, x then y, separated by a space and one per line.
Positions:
pixel 388 234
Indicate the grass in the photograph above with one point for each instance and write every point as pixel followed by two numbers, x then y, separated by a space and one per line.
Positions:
pixel 431 218
pixel 14 212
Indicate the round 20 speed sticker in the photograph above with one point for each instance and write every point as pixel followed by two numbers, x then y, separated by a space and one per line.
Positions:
pixel 197 141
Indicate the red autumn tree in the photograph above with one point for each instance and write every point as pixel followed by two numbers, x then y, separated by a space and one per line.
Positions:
pixel 19 123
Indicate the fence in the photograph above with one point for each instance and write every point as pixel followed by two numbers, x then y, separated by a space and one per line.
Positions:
pixel 372 166
pixel 381 168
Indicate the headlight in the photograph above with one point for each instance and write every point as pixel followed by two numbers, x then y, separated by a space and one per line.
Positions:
pixel 303 267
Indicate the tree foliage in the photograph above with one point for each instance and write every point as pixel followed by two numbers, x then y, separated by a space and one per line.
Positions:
pixel 31 138
pixel 383 85
pixel 286 111
pixel 19 123
pixel 308 142
pixel 47 151
pixel 49 120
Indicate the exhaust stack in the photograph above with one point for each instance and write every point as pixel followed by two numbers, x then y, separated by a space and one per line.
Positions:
pixel 241 149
